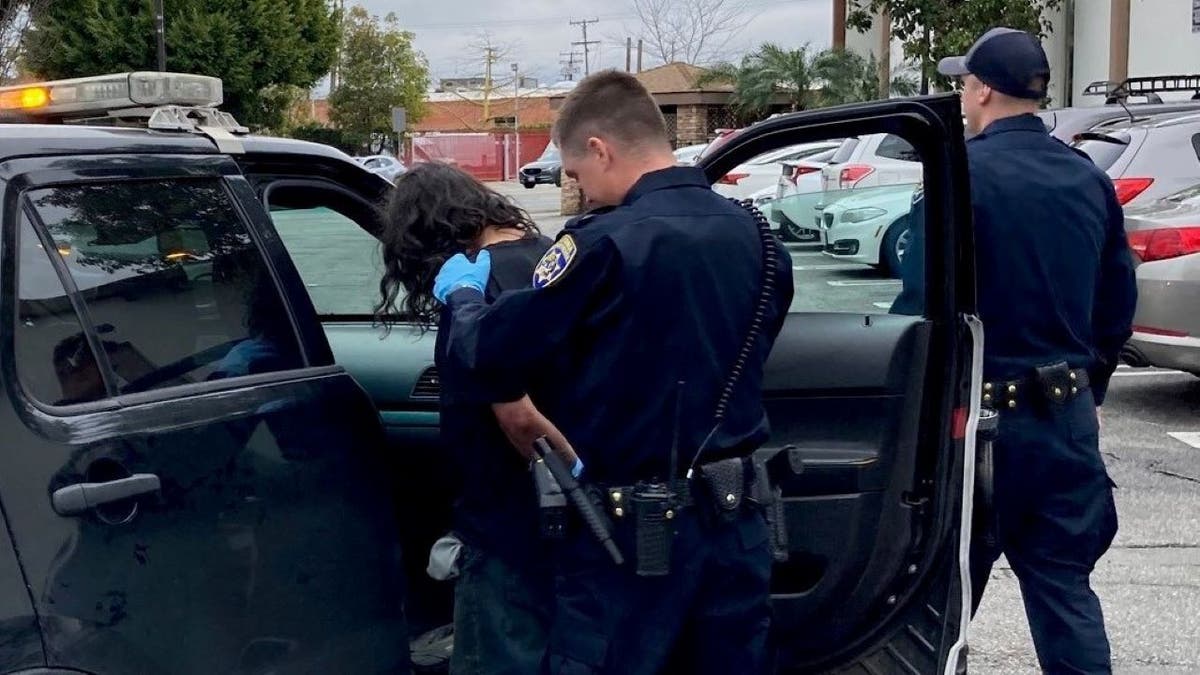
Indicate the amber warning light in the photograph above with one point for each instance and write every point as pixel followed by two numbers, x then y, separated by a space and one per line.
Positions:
pixel 98 95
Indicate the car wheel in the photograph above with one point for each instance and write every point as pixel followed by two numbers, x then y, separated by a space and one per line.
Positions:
pixel 558 179
pixel 529 186
pixel 895 246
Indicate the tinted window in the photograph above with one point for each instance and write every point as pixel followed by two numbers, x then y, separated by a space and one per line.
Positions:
pixel 54 362
pixel 845 152
pixel 171 279
pixel 337 260
pixel 894 147
pixel 1104 149
pixel 1196 145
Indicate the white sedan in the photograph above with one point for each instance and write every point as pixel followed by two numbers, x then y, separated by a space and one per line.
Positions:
pixel 869 226
pixel 764 171
pixel 384 165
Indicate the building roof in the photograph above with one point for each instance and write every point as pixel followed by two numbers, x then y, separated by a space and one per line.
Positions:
pixel 458 114
pixel 678 78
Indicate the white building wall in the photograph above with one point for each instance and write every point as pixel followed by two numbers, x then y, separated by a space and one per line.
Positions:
pixel 1161 41
pixel 1092 24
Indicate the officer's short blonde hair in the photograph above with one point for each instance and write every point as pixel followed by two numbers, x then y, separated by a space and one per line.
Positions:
pixel 612 105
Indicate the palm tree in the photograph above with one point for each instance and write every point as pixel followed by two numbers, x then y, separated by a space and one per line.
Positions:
pixel 847 77
pixel 766 75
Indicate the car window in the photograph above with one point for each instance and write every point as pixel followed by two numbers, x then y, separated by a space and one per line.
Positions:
pixel 845 151
pixel 894 147
pixel 1196 145
pixel 823 156
pixel 339 262
pixel 373 163
pixel 171 279
pixel 848 241
pixel 54 362
pixel 1104 149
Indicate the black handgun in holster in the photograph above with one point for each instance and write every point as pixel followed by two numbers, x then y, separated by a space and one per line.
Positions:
pixel 552 503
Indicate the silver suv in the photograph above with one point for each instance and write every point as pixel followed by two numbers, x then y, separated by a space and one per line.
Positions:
pixel 1147 159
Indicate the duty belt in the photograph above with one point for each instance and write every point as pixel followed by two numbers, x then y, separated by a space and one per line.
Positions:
pixel 1056 385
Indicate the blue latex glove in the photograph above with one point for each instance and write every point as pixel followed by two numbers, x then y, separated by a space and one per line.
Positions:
pixel 459 272
pixel 577 470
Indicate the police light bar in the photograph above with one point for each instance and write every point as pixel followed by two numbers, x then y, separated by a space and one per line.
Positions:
pixel 104 93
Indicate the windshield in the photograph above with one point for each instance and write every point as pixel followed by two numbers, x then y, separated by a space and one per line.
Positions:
pixel 550 154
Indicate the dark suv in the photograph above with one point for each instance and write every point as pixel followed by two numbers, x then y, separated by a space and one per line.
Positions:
pixel 545 170
pixel 212 461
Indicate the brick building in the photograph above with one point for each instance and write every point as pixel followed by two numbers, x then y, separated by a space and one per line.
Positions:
pixel 693 112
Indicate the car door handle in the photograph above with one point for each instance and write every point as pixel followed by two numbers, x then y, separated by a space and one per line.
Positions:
pixel 74 500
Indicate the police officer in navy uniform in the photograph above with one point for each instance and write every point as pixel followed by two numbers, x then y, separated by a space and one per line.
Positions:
pixel 633 326
pixel 1056 295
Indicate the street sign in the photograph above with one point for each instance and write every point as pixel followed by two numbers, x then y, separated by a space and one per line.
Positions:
pixel 399 119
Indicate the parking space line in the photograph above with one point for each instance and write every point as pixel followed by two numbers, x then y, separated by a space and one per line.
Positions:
pixel 831 266
pixel 865 282
pixel 1150 373
pixel 1191 438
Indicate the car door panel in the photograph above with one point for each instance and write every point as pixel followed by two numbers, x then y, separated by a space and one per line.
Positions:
pixel 395 367
pixel 269 545
pixel 865 404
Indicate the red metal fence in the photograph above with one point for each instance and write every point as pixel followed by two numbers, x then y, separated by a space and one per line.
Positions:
pixel 487 156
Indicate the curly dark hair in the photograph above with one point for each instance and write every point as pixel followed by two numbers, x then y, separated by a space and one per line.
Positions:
pixel 435 211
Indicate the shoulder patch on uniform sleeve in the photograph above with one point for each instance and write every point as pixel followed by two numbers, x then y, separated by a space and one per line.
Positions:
pixel 555 262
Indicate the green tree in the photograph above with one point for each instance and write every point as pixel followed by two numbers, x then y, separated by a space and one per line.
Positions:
pixel 934 29
pixel 846 77
pixel 258 48
pixel 803 78
pixel 379 70
pixel 766 76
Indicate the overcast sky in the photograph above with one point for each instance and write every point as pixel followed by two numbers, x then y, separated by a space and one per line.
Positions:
pixel 536 31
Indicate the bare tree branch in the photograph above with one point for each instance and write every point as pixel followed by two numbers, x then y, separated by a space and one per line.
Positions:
pixel 692 31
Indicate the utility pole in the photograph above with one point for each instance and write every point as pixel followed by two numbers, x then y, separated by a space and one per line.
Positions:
pixel 583 24
pixel 516 119
pixel 489 58
pixel 639 55
pixel 160 35
pixel 628 53
pixel 336 72
pixel 568 65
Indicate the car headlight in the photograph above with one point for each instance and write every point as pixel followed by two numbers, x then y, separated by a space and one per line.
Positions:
pixel 863 214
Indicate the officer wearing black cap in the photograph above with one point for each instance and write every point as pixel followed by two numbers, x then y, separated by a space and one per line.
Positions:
pixel 1056 295
pixel 639 319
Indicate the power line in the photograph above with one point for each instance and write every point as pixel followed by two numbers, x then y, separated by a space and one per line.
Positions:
pixel 546 20
pixel 585 42
pixel 567 60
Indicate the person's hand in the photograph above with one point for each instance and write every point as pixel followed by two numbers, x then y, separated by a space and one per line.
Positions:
pixel 459 272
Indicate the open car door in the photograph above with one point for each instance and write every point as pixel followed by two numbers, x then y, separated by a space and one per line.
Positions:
pixel 877 399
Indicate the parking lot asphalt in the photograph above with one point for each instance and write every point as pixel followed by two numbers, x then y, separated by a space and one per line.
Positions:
pixel 1149 583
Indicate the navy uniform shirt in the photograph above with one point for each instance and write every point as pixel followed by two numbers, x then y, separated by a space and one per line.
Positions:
pixel 1055 274
pixel 628 303
pixel 496 508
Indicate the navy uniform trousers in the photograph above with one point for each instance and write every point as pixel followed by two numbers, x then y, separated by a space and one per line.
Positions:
pixel 709 616
pixel 1055 518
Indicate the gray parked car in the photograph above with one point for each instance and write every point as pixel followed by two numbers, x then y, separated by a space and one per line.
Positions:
pixel 1147 159
pixel 385 165
pixel 1165 238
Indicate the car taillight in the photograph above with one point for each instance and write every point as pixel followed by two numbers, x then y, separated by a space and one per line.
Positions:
pixel 853 173
pixel 1129 188
pixel 732 178
pixel 800 171
pixel 1165 332
pixel 1172 242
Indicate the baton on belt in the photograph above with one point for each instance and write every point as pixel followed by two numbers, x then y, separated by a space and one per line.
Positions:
pixel 592 516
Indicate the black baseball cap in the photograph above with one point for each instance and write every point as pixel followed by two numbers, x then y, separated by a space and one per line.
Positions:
pixel 1007 60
